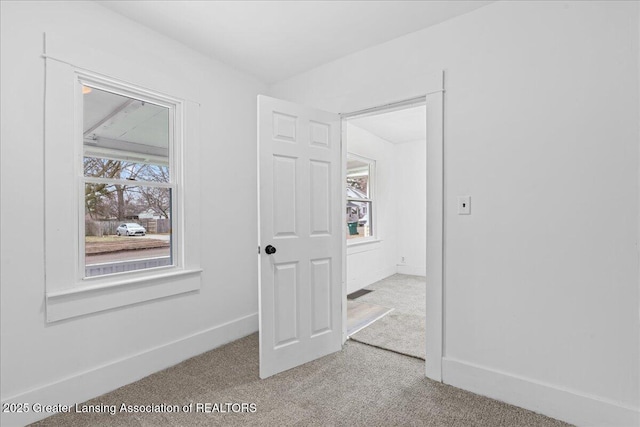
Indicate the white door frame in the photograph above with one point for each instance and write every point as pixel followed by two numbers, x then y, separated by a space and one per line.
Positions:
pixel 435 227
pixel 434 96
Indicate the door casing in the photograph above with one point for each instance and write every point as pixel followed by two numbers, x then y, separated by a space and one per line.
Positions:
pixel 434 85
pixel 435 262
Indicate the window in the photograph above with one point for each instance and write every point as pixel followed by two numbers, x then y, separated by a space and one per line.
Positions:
pixel 127 176
pixel 116 193
pixel 360 199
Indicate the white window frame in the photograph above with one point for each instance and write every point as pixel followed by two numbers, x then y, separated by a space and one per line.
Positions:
pixel 373 215
pixel 68 292
pixel 175 163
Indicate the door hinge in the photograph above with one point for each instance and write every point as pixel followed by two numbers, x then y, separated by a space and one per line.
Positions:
pixel 258 250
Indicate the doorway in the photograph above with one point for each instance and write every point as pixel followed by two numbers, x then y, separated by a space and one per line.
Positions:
pixel 290 135
pixel 386 227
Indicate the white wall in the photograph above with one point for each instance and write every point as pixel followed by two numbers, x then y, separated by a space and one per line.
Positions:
pixel 76 359
pixel 400 193
pixel 369 262
pixel 411 206
pixel 541 129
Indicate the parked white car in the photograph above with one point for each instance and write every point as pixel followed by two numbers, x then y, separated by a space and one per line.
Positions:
pixel 130 229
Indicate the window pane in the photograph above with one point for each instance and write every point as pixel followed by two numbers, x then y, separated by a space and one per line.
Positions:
pixel 126 228
pixel 359 219
pixel 119 128
pixel 358 179
pixel 123 169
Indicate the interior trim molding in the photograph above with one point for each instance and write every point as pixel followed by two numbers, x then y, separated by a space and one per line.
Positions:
pixel 557 402
pixel 436 226
pixel 369 278
pixel 412 270
pixel 103 379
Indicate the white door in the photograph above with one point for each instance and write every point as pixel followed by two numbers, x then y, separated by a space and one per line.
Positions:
pixel 300 232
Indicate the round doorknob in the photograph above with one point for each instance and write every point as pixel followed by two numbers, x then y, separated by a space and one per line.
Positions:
pixel 270 250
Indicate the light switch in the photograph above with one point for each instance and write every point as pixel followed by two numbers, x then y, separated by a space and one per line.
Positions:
pixel 464 205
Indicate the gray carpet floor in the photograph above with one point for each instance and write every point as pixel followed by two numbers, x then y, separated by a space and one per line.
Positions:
pixel 358 386
pixel 403 330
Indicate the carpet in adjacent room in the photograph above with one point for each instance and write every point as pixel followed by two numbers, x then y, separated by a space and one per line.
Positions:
pixel 404 329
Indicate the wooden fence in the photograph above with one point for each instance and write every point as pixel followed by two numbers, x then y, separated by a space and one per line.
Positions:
pixel 108 227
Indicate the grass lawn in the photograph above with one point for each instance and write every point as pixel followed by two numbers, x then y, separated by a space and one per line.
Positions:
pixel 103 239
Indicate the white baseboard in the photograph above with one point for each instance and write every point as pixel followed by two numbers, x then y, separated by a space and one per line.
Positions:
pixel 369 278
pixel 412 270
pixel 103 379
pixel 566 405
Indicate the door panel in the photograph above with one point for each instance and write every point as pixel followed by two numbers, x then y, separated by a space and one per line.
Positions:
pixel 284 200
pixel 320 296
pixel 320 194
pixel 299 156
pixel 285 283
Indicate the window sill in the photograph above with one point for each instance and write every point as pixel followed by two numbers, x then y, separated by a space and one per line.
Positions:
pixel 79 301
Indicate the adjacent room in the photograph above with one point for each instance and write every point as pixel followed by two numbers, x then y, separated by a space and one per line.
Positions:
pixel 386 218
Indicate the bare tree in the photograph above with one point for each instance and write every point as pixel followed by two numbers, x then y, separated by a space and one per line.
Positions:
pixel 121 201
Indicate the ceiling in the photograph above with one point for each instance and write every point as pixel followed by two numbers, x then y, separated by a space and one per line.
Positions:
pixel 397 127
pixel 274 40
